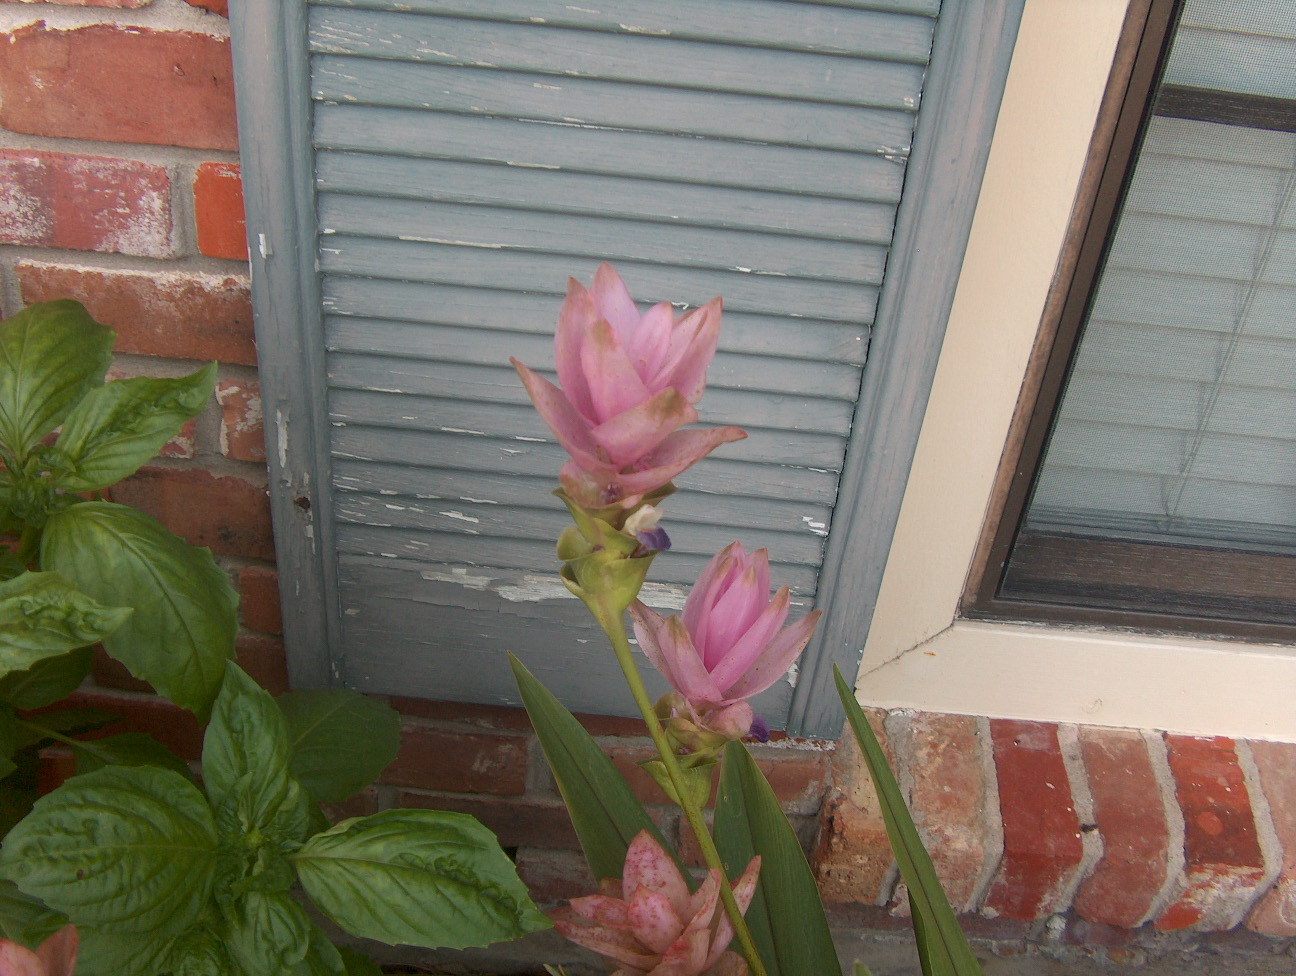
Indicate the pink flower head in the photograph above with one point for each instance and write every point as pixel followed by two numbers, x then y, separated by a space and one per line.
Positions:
pixel 55 957
pixel 730 642
pixel 647 924
pixel 628 384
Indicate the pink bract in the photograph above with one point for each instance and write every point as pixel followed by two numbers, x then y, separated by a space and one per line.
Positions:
pixel 628 384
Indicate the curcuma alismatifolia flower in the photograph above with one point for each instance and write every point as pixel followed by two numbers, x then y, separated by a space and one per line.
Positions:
pixel 730 642
pixel 647 924
pixel 628 384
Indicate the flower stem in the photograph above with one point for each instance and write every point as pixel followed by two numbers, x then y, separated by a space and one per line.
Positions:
pixel 613 625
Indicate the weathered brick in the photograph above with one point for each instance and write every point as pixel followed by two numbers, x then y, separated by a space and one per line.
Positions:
pixel 132 4
pixel 951 801
pixel 487 716
pixel 177 314
pixel 262 657
pixel 242 431
pixel 170 724
pixel 1224 864
pixel 85 203
pixel 456 761
pixel 554 876
pixel 1130 813
pixel 1276 763
pixel 229 515
pixel 362 804
pixel 516 822
pixel 214 6
pixel 1042 846
pixel 184 444
pixel 258 588
pixel 108 672
pixel 119 84
pixel 218 211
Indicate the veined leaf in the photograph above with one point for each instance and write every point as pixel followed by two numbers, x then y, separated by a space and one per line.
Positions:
pixel 45 682
pixel 131 847
pixel 42 615
pixel 51 355
pixel 197 951
pixel 9 741
pixel 338 741
pixel 182 631
pixel 269 934
pixel 25 919
pixel 942 947
pixel 419 877
pixel 322 957
pixel 786 916
pixel 603 809
pixel 120 425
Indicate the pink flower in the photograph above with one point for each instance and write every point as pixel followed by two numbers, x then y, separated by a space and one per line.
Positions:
pixel 629 382
pixel 55 957
pixel 730 642
pixel 647 924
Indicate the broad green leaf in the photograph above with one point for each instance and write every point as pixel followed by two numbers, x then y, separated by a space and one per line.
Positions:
pixel 51 355
pixel 323 958
pixel 43 615
pixel 9 742
pixel 197 951
pixel 46 681
pixel 126 749
pixel 120 425
pixel 603 809
pixel 339 741
pixel 183 628
pixel 943 948
pixel 421 877
pixel 246 736
pixel 25 919
pixel 268 934
pixel 786 917
pixel 132 847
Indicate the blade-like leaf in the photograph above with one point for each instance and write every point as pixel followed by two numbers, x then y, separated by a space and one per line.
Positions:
pixel 120 425
pixel 126 749
pixel 43 615
pixel 338 741
pixel 132 847
pixel 25 919
pixel 45 682
pixel 421 877
pixel 603 809
pixel 786 917
pixel 182 631
pixel 943 947
pixel 51 355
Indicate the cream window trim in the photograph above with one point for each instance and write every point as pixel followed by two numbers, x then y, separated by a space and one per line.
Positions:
pixel 918 654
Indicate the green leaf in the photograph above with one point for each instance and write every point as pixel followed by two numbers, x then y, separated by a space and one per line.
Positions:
pixel 357 964
pixel 338 741
pixel 43 615
pixel 183 628
pixel 323 958
pixel 786 916
pixel 197 951
pixel 247 735
pixel 269 934
pixel 65 721
pixel 605 812
pixel 942 947
pixel 51 355
pixel 46 681
pixel 9 742
pixel 126 749
pixel 132 847
pixel 421 877
pixel 25 919
pixel 120 425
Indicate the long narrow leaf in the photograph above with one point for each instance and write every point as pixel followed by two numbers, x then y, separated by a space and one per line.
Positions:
pixel 604 811
pixel 786 917
pixel 943 948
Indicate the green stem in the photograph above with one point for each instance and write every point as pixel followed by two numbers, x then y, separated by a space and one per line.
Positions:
pixel 614 626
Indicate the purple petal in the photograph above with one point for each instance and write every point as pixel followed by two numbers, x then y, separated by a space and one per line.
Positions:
pixel 635 433
pixel 654 539
pixel 759 729
pixel 776 658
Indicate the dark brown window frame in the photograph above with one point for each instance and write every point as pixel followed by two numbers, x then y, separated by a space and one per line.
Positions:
pixel 1186 576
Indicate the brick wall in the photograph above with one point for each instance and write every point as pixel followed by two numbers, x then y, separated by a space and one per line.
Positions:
pixel 119 186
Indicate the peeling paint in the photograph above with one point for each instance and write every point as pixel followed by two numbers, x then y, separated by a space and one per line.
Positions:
pixel 459 430
pixel 458 575
pixel 653 31
pixel 461 516
pixel 818 528
pixel 473 501
pixel 534 588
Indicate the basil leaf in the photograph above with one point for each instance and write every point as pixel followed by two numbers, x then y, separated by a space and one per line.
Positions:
pixel 132 847
pixel 25 919
pixel 339 741
pixel 43 615
pixel 120 425
pixel 269 934
pixel 126 749
pixel 9 741
pixel 45 682
pixel 51 355
pixel 184 624
pixel 246 743
pixel 420 877
pixel 324 959
pixel 197 951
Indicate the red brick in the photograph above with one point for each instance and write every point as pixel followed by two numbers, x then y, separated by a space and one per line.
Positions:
pixel 1130 814
pixel 258 588
pixel 1276 762
pixel 229 515
pixel 950 802
pixel 852 857
pixel 554 876
pixel 214 6
pixel 218 211
pixel 178 314
pixel 262 657
pixel 1224 865
pixel 455 761
pixel 119 84
pixel 173 726
pixel 517 823
pixel 1042 846
pixel 89 3
pixel 85 203
pixel 183 444
pixel 242 432
pixel 108 672
pixel 362 804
